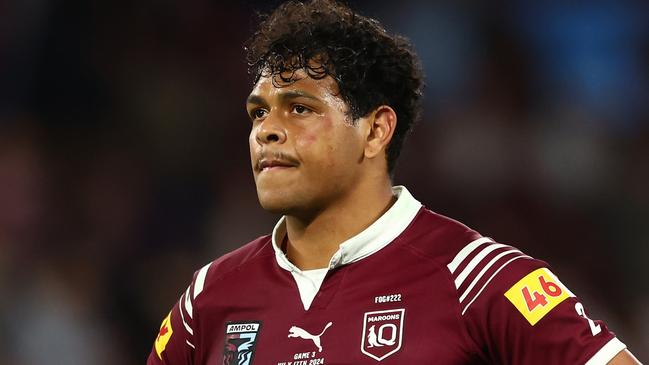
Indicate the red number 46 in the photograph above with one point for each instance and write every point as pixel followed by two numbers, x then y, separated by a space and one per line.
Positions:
pixel 535 298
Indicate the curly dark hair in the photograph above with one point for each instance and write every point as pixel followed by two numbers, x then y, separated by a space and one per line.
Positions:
pixel 325 38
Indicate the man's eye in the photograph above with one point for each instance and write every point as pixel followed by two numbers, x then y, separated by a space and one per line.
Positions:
pixel 300 109
pixel 258 113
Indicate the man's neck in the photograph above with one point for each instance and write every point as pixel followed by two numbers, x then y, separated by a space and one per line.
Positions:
pixel 311 244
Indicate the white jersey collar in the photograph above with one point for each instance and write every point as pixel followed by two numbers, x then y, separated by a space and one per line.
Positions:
pixel 378 235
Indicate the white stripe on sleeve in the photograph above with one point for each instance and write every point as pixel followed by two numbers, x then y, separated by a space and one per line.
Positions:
pixel 188 303
pixel 474 262
pixel 182 316
pixel 200 280
pixel 607 352
pixel 484 269
pixel 466 251
pixel 491 278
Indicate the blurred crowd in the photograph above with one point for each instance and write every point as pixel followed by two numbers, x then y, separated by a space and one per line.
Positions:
pixel 124 160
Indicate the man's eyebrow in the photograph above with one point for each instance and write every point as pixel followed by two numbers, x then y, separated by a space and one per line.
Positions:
pixel 256 99
pixel 293 94
pixel 289 95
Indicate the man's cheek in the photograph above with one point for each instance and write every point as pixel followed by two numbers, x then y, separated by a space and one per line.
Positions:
pixel 308 140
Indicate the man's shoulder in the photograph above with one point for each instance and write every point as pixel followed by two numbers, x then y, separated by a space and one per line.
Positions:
pixel 249 253
pixel 479 267
pixel 467 256
pixel 255 249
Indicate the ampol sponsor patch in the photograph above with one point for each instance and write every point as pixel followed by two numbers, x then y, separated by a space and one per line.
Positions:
pixel 164 335
pixel 382 333
pixel 240 341
pixel 537 294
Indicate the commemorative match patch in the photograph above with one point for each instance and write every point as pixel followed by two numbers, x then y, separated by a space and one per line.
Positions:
pixel 537 294
pixel 240 341
pixel 164 335
pixel 382 333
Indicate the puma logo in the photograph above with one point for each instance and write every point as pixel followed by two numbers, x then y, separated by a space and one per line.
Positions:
pixel 374 341
pixel 295 331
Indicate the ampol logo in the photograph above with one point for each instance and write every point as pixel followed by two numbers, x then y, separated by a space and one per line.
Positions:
pixel 240 341
pixel 382 333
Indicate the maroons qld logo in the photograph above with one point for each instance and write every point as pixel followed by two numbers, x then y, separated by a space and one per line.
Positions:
pixel 382 333
pixel 240 341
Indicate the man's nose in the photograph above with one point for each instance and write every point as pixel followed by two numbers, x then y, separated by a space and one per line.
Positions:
pixel 271 130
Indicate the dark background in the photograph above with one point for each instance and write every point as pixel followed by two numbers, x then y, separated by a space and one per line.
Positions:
pixel 124 158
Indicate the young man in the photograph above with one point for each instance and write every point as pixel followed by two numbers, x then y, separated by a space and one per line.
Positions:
pixel 357 271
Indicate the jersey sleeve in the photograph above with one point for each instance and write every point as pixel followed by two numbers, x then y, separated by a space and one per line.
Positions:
pixel 177 338
pixel 173 345
pixel 517 311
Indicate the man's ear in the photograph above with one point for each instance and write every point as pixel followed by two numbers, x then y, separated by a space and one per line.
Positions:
pixel 382 123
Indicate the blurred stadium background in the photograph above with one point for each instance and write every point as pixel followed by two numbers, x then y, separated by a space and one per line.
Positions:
pixel 124 163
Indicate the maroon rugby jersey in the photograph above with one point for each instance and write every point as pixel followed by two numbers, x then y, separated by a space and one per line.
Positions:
pixel 413 288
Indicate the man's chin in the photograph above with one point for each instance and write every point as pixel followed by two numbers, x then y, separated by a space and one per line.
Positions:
pixel 275 202
pixel 274 208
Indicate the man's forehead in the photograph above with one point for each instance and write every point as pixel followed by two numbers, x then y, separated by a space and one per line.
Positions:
pixel 270 85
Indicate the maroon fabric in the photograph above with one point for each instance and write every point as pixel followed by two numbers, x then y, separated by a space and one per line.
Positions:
pixel 420 318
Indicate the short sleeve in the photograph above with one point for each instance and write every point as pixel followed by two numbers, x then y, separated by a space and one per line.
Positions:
pixel 516 311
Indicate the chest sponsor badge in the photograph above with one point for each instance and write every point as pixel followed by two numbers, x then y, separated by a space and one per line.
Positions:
pixel 240 341
pixel 382 333
pixel 537 294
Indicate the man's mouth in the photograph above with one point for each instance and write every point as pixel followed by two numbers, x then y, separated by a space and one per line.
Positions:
pixel 267 165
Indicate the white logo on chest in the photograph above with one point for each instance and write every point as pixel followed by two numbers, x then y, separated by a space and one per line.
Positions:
pixel 382 333
pixel 296 331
